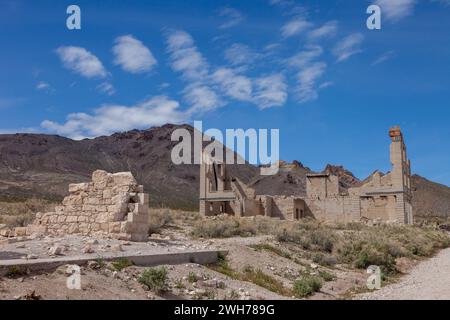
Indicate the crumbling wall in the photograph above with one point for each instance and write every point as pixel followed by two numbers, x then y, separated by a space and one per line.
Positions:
pixel 111 204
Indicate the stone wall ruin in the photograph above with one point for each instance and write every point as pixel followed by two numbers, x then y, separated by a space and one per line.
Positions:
pixel 111 204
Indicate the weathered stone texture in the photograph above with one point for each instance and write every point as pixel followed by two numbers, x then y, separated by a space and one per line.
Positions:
pixel 111 204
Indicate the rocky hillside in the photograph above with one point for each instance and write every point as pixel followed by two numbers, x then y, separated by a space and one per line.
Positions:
pixel 430 198
pixel 43 165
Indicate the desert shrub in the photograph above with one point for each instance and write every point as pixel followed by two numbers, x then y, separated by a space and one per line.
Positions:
pixel 306 285
pixel 186 216
pixel 295 236
pixel 121 264
pixel 271 248
pixel 154 279
pixel 326 276
pixel 222 265
pixel 264 280
pixel 324 259
pixel 192 277
pixel 310 236
pixel 15 271
pixel 223 227
pixel 323 239
pixel 20 214
pixel 158 220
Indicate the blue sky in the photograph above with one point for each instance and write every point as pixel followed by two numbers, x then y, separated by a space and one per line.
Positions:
pixel 310 68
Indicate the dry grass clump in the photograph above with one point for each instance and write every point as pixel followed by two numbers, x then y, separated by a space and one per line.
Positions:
pixel 361 246
pixel 159 219
pixel 354 244
pixel 224 227
pixel 19 214
pixel 163 217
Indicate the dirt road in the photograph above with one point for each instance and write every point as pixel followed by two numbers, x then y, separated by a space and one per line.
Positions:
pixel 430 279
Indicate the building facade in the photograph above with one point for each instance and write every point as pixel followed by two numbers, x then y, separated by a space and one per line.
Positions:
pixel 380 197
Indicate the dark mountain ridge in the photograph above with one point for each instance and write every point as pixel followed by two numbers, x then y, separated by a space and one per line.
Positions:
pixel 43 165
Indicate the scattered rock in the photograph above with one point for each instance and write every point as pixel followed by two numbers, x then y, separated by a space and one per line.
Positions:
pixel 55 250
pixel 93 265
pixel 116 248
pixel 88 249
pixel 92 241
pixel 20 231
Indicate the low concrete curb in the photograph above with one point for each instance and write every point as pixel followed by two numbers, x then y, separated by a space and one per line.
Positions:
pixel 153 259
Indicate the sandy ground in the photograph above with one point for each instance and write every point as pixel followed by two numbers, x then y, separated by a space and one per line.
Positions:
pixel 105 283
pixel 428 280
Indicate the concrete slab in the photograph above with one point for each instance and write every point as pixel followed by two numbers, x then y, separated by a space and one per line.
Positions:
pixel 143 259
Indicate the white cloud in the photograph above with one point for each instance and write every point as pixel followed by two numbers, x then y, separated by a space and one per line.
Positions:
pixel 327 30
pixel 270 91
pixel 384 57
pixel 309 70
pixel 201 98
pixel 348 47
pixel 326 84
pixel 303 58
pixel 235 86
pixel 232 17
pixel 295 26
pixel 240 54
pixel 185 57
pixel 81 61
pixel 307 78
pixel 206 91
pixel 106 88
pixel 44 86
pixel 132 55
pixel 395 10
pixel 113 118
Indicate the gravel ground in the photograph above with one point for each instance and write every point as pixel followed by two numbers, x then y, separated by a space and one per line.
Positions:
pixel 430 279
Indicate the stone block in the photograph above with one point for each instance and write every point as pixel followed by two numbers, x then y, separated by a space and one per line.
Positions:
pixel 137 217
pixel 71 219
pixel 73 228
pixel 20 231
pixel 100 179
pixel 114 227
pixel 143 198
pixel 123 179
pixel 36 229
pixel 77 187
pixel 5 232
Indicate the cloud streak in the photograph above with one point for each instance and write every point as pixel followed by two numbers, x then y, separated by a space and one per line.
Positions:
pixel 395 10
pixel 295 27
pixel 348 47
pixel 231 16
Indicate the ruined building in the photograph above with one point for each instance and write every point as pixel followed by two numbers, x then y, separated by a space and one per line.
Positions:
pixel 112 204
pixel 380 197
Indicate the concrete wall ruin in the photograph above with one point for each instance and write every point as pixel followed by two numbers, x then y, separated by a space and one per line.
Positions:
pixel 381 197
